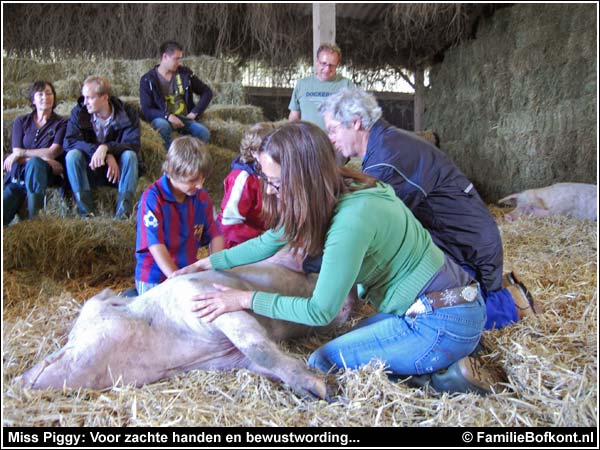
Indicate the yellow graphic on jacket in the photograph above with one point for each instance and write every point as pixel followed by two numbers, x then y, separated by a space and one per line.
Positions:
pixel 175 100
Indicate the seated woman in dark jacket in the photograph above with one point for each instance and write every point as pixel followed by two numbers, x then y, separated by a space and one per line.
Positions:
pixel 36 161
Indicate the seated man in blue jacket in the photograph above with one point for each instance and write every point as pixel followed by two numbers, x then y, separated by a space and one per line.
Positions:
pixel 435 190
pixel 102 144
pixel 167 96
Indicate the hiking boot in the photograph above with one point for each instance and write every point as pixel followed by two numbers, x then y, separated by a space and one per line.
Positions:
pixel 469 374
pixel 507 280
pixel 523 299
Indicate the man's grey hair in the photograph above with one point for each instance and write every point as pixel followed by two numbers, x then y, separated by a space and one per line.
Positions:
pixel 330 47
pixel 350 104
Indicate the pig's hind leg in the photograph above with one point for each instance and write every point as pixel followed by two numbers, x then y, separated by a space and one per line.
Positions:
pixel 249 336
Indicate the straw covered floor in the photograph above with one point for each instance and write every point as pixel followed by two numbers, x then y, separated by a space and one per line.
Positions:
pixel 52 265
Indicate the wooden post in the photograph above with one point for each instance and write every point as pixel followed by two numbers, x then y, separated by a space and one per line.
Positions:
pixel 323 25
pixel 419 103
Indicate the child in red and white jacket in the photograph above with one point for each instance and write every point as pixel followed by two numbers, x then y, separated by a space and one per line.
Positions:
pixel 241 208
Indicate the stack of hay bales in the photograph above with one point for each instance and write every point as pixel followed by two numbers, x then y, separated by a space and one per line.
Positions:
pixel 429 136
pixel 227 118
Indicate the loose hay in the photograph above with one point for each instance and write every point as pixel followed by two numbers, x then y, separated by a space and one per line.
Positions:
pixel 551 362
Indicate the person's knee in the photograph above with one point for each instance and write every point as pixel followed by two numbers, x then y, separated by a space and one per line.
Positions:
pixel 36 175
pixel 35 164
pixel 75 158
pixel 129 158
pixel 199 131
pixel 162 125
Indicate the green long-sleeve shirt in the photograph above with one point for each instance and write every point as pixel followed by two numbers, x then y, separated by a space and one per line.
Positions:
pixel 373 240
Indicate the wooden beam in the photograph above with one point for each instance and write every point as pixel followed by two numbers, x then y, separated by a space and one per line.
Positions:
pixel 323 25
pixel 419 98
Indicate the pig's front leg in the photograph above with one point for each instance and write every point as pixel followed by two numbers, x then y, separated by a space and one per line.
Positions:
pixel 248 335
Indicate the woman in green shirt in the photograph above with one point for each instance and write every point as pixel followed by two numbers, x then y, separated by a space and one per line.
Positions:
pixel 430 313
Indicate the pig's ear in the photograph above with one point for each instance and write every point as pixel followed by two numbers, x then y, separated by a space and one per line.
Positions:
pixel 511 200
pixel 106 293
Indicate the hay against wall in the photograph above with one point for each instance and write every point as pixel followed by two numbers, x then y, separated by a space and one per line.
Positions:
pixel 551 362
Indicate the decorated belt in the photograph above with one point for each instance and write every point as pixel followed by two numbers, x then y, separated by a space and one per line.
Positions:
pixel 444 299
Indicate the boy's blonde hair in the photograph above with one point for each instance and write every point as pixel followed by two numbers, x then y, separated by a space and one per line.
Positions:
pixel 187 159
pixel 253 138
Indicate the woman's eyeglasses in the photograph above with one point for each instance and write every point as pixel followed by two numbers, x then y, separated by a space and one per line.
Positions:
pixel 266 180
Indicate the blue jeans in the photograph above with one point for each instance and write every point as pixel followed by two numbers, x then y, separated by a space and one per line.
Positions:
pixel 37 177
pixel 192 127
pixel 82 178
pixel 429 342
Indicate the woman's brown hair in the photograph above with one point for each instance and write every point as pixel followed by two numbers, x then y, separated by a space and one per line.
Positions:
pixel 311 184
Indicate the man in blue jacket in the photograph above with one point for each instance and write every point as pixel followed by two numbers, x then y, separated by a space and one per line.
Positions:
pixel 167 96
pixel 435 190
pixel 102 144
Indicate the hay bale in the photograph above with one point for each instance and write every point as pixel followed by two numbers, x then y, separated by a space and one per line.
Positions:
pixel 68 88
pixel 134 102
pixel 225 133
pixel 245 114
pixel 98 250
pixel 232 93
pixel 8 118
pixel 27 70
pixel 124 75
pixel 429 136
pixel 212 69
pixel 12 103
pixel 15 95
pixel 65 107
pixel 222 158
pixel 152 151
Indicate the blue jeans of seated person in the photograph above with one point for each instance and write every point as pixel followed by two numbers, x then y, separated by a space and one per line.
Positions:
pixel 196 129
pixel 37 177
pixel 83 179
pixel 429 342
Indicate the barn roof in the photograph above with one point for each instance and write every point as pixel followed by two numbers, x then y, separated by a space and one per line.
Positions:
pixel 371 35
